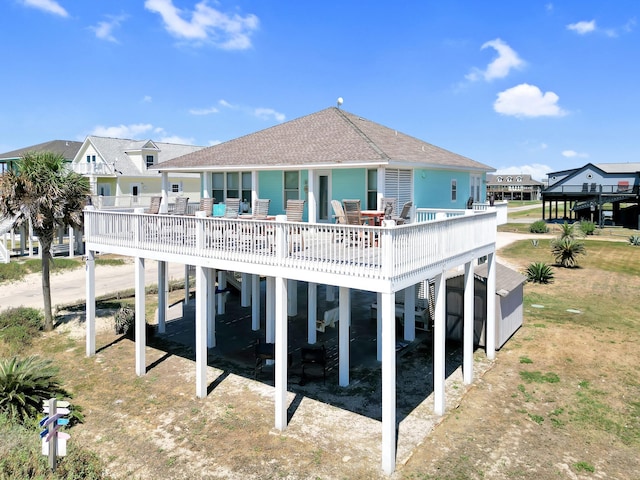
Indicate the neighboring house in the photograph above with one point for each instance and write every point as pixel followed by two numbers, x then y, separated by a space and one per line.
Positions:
pixel 66 148
pixel 121 171
pixel 602 193
pixel 331 154
pixel 518 186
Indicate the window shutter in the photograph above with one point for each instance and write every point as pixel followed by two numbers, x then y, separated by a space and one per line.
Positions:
pixel 398 184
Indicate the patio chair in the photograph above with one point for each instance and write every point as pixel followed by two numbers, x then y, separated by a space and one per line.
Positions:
pixel 294 211
pixel 338 215
pixel 232 207
pixel 384 201
pixel 352 212
pixel 181 206
pixel 154 206
pixel 404 214
pixel 262 208
pixel 206 205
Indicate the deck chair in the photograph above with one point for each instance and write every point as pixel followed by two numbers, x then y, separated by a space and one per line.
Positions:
pixel 232 207
pixel 181 206
pixel 154 206
pixel 206 205
pixel 384 201
pixel 352 214
pixel 338 214
pixel 294 211
pixel 404 214
pixel 262 208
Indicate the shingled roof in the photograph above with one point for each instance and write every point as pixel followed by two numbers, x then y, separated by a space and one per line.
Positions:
pixel 326 138
pixel 66 148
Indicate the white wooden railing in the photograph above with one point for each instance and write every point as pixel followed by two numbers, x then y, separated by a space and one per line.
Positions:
pixel 380 253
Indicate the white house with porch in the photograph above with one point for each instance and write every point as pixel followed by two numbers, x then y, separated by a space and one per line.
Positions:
pixel 331 154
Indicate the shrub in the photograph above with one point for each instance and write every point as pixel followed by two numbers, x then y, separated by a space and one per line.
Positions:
pixel 25 384
pixel 587 227
pixel 19 326
pixel 539 226
pixel 124 320
pixel 567 230
pixel 566 250
pixel 539 272
pixel 634 240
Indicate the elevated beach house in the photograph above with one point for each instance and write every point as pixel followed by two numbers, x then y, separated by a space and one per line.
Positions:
pixel 325 156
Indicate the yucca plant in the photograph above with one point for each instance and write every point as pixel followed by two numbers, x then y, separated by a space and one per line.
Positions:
pixel 539 272
pixel 587 227
pixel 566 250
pixel 25 383
pixel 635 240
pixel 567 230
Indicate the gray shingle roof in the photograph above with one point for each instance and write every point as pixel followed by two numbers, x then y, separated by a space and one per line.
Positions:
pixel 66 148
pixel 506 278
pixel 325 138
pixel 116 150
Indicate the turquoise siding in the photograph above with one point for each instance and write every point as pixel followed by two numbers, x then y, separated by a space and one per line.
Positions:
pixel 432 188
pixel 349 183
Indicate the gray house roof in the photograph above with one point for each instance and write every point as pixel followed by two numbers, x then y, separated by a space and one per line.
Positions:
pixel 117 150
pixel 66 148
pixel 326 138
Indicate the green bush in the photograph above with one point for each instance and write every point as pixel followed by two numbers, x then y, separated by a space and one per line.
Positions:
pixel 566 250
pixel 19 326
pixel 539 272
pixel 539 226
pixel 25 384
pixel 587 227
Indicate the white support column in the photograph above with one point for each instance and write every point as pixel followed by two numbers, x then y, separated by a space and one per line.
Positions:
pixel 163 296
pixel 255 302
pixel 410 313
pixel 379 326
pixel 312 309
pixel 187 292
pixel 343 335
pixel 388 309
pixel 245 290
pixel 330 293
pixel 467 344
pixel 140 321
pixel 255 188
pixel 72 242
pixel 201 331
pixel 222 284
pixel 292 300
pixel 281 349
pixel 312 196
pixel 164 185
pixel 90 304
pixel 205 179
pixel 270 308
pixel 211 307
pixel 439 339
pixel 490 330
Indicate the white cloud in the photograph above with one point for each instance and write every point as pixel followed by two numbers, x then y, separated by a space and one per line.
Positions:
pixel 49 6
pixel 176 140
pixel 206 24
pixel 582 28
pixel 526 100
pixel 104 29
pixel 147 99
pixel 574 154
pixel 203 111
pixel 123 131
pixel 269 113
pixel 214 142
pixel 226 104
pixel 538 171
pixel 500 67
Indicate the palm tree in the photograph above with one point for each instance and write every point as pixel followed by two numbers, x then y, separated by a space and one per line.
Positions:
pixel 49 195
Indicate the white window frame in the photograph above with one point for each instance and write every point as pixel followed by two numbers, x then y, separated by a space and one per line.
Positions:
pixel 175 187
pixel 454 190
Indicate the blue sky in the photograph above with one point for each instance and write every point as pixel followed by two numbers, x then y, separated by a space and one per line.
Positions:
pixel 527 87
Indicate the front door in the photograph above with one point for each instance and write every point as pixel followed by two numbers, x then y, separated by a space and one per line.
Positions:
pixel 324 196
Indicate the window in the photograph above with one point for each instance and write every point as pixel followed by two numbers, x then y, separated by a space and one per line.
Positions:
pixel 149 161
pixel 518 179
pixel 176 187
pixel 88 158
pixel 509 179
pixel 372 189
pixel 291 186
pixel 231 185
pixel 454 190
pixel 499 179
